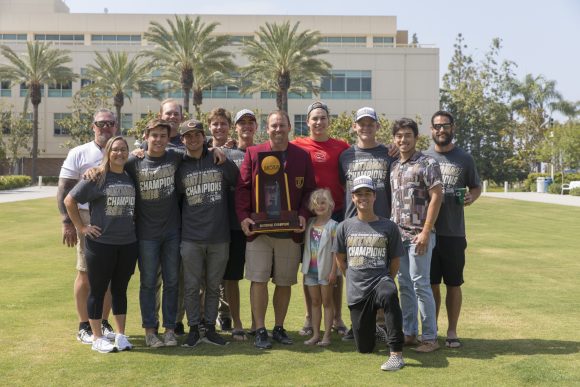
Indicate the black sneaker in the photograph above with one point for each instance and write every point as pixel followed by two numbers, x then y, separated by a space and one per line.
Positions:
pixel 279 334
pixel 225 324
pixel 262 341
pixel 179 329
pixel 349 336
pixel 212 337
pixel 192 338
pixel 107 330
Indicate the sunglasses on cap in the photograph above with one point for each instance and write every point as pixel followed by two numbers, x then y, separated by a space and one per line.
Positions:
pixel 102 124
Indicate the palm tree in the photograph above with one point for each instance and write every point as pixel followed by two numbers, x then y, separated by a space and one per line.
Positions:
pixel 284 60
pixel 186 50
pixel 114 74
pixel 40 65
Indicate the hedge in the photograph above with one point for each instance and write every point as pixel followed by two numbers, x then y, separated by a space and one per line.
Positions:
pixel 14 181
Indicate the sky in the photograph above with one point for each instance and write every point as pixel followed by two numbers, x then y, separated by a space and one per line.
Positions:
pixel 541 36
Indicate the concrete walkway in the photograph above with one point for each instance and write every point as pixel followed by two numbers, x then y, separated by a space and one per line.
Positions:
pixel 27 193
pixel 565 200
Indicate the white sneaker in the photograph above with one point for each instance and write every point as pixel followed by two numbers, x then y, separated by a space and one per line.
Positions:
pixel 103 345
pixel 85 336
pixel 107 330
pixel 122 343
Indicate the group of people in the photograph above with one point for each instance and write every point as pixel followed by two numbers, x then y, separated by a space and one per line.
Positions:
pixel 183 212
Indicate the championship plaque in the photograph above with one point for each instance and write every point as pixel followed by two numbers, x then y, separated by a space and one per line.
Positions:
pixel 274 212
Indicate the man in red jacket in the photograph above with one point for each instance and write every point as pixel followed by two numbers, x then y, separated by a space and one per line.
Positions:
pixel 275 255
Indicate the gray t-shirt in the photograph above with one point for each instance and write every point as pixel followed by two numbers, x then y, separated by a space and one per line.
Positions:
pixel 237 156
pixel 369 248
pixel 458 171
pixel 205 187
pixel 373 162
pixel 157 202
pixel 112 207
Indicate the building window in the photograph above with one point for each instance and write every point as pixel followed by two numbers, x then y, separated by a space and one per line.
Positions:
pixel 5 89
pixel 346 84
pixel 300 125
pixel 24 90
pixel 238 40
pixel 344 41
pixel 59 130
pixel 60 90
pixel 12 38
pixel 383 41
pixel 272 95
pixel 156 75
pixel 231 91
pixel 116 39
pixel 61 39
pixel 85 81
pixel 126 122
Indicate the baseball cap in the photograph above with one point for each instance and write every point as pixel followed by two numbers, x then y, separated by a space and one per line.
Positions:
pixel 316 105
pixel 190 125
pixel 156 122
pixel 242 113
pixel 366 112
pixel 363 182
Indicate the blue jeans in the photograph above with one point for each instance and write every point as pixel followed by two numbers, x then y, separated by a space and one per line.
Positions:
pixel 152 254
pixel 415 288
pixel 203 261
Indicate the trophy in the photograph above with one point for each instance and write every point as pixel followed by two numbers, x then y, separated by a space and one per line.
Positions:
pixel 273 208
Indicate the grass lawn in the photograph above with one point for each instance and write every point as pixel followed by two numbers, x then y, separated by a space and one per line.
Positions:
pixel 518 325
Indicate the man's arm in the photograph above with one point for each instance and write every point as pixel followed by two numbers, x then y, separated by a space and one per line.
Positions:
pixel 340 259
pixel 472 195
pixel 394 266
pixel 422 240
pixel 69 234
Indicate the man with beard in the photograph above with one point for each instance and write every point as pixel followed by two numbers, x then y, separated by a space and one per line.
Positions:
pixel 458 172
pixel 77 162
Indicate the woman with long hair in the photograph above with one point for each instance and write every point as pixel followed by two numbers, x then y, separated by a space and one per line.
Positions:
pixel 111 243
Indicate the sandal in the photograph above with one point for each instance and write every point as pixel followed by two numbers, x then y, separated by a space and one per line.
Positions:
pixel 341 330
pixel 305 331
pixel 453 343
pixel 239 335
pixel 323 343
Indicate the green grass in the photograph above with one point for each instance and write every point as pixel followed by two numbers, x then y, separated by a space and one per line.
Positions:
pixel 518 324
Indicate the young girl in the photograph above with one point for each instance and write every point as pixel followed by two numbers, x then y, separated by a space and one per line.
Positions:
pixel 319 265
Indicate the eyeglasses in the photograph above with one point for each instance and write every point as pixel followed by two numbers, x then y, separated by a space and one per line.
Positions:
pixel 102 124
pixel 442 126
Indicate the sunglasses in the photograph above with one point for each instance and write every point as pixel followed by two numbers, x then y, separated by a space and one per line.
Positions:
pixel 102 124
pixel 442 126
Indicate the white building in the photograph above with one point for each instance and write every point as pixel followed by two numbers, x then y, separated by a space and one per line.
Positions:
pixel 372 64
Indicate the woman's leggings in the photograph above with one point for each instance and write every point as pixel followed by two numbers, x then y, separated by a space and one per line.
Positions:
pixel 114 264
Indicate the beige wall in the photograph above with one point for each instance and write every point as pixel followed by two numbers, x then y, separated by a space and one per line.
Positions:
pixel 405 80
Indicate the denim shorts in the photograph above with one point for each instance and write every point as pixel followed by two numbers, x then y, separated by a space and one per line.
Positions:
pixel 312 280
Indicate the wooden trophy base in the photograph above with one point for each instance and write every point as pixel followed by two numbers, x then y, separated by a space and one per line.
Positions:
pixel 287 222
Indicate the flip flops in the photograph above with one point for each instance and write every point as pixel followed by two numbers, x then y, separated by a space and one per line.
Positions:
pixel 305 331
pixel 341 330
pixel 239 335
pixel 453 343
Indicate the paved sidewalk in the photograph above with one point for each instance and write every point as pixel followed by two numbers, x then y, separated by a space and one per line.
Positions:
pixel 27 193
pixel 565 200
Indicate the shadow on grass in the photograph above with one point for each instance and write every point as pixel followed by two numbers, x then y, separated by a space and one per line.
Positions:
pixel 481 349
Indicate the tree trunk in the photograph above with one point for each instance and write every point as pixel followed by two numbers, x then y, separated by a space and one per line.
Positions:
pixel 282 93
pixel 186 86
pixel 35 99
pixel 119 101
pixel 197 101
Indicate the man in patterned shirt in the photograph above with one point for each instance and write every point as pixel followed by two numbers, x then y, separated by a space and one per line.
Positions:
pixel 416 198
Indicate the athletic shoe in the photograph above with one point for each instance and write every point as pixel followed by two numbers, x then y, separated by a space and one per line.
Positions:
pixel 85 336
pixel 394 363
pixel 262 341
pixel 151 340
pixel 380 334
pixel 122 343
pixel 169 339
pixel 107 330
pixel 179 329
pixel 279 334
pixel 349 336
pixel 103 345
pixel 427 346
pixel 225 324
pixel 192 338
pixel 212 337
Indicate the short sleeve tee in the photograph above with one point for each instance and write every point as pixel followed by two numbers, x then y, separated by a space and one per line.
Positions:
pixel 237 157
pixel 375 163
pixel 369 249
pixel 112 207
pixel 457 171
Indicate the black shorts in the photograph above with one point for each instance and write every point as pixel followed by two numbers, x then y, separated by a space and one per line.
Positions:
pixel 237 260
pixel 448 260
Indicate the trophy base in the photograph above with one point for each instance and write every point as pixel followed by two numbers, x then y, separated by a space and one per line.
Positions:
pixel 287 222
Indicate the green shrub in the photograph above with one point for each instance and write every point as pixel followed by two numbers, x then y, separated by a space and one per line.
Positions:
pixel 15 181
pixel 575 192
pixel 49 180
pixel 555 188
